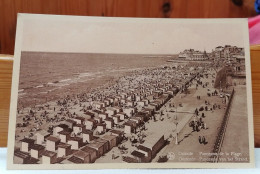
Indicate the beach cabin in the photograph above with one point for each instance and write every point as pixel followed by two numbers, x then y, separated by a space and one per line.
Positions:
pixel 162 90
pixel 57 129
pixel 130 103
pixel 49 157
pixel 149 111
pixel 26 144
pixel 110 111
pixel 155 144
pixel 146 102
pixel 75 142
pixel 117 99
pixel 79 120
pixel 123 95
pixel 121 115
pixel 41 136
pixel 87 136
pixel 122 101
pixel 137 120
pixel 77 129
pixel 89 114
pixel 116 119
pixel 130 97
pixel 138 156
pixel 95 112
pixel 64 150
pixel 150 97
pixel 147 153
pixel 154 105
pixel 118 133
pixel 130 126
pixel 138 98
pixel 107 102
pixel 101 127
pixel 98 105
pixel 103 115
pixel 52 143
pixel 64 136
pixel 98 147
pixel 111 99
pixel 70 123
pixel 97 119
pixel 92 152
pixel 118 109
pixel 169 92
pixel 143 116
pixel 141 103
pixel 104 143
pixel 112 140
pixel 129 111
pixel 80 157
pixel 90 124
pixel 157 93
pixel 109 123
pixel 21 157
pixel 37 151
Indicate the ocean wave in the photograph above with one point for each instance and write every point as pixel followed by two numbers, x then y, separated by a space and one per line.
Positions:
pixel 20 90
pixel 39 86
pixel 64 80
pixel 85 75
pixel 50 83
pixel 21 94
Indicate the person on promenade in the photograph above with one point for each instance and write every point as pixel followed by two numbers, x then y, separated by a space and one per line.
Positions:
pixel 113 155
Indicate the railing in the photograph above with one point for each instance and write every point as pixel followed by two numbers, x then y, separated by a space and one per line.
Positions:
pixel 222 131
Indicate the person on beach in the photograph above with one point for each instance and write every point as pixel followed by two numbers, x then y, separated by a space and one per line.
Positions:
pixel 203 140
pixel 196 111
pixel 200 139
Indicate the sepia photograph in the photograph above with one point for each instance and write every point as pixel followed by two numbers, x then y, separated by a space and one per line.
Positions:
pixel 93 92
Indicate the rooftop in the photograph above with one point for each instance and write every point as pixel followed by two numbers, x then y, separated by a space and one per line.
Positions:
pixel 143 148
pixel 137 154
pixel 27 140
pixel 21 154
pixel 75 139
pixel 85 131
pixel 109 137
pixel 37 147
pixel 71 121
pixel 95 145
pixel 49 153
pixel 76 160
pixel 64 132
pixel 81 154
pixel 88 149
pixel 52 138
pixel 116 131
pixel 64 145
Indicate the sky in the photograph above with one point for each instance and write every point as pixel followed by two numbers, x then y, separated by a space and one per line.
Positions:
pixel 128 35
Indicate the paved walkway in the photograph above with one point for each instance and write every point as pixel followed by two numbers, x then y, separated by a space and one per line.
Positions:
pixel 189 148
pixel 235 145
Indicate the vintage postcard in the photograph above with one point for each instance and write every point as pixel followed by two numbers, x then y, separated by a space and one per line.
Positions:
pixel 94 92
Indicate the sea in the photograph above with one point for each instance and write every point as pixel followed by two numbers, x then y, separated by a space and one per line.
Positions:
pixel 46 76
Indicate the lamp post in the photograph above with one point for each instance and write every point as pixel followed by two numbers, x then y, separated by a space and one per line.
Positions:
pixel 175 116
pixel 176 137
